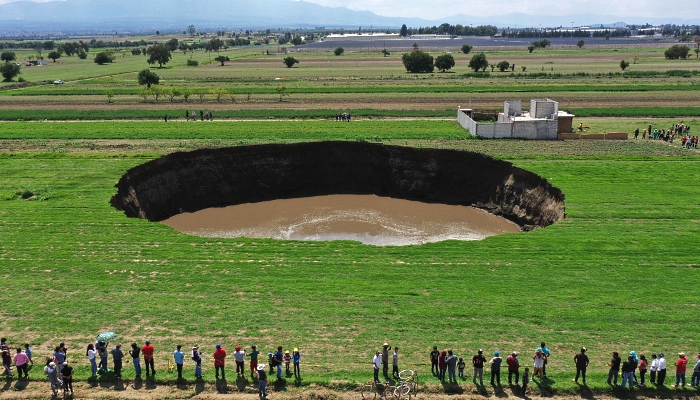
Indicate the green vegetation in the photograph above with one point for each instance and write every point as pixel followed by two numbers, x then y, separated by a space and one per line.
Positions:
pixel 418 61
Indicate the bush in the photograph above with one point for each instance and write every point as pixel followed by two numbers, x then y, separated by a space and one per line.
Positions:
pixel 624 64
pixel 444 62
pixel 192 63
pixel 466 48
pixel 676 52
pixel 503 66
pixel 103 58
pixel 418 62
pixel 478 62
pixel 530 48
pixel 290 61
pixel 338 51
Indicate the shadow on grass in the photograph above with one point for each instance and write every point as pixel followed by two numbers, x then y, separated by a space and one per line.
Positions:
pixel 222 386
pixel 453 388
pixel 544 386
pixel 199 386
pixel 280 385
pixel 21 384
pixel 241 383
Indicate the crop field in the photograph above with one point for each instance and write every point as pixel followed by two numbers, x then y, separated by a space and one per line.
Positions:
pixel 619 273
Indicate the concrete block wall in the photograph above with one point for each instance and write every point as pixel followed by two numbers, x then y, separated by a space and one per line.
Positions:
pixel 512 107
pixel 543 108
pixel 503 130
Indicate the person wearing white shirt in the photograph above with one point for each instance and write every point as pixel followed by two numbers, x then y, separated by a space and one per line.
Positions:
pixel 661 377
pixel 653 369
pixel 377 361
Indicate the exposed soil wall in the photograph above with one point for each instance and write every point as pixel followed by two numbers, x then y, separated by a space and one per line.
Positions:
pixel 191 181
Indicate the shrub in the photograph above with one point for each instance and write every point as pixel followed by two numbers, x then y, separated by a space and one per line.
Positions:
pixel 192 63
pixel 466 48
pixel 503 65
pixel 338 51
pixel 290 61
pixel 418 62
pixel 676 52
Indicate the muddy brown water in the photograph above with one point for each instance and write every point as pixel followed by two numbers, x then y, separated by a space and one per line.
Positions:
pixel 374 220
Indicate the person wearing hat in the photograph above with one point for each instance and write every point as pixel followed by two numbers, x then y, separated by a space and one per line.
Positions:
pixel 496 362
pixel 513 367
pixel 220 361
pixel 661 371
pixel 478 363
pixel 67 374
pixel 385 360
pixel 287 360
pixel 52 373
pixel 377 363
pixel 681 365
pixel 296 358
pixel 695 378
pixel 179 358
pixel 614 365
pixel 148 351
pixel 117 357
pixel 581 361
pixel 253 360
pixel 262 381
pixel 239 356
pixel 434 355
pixel 197 358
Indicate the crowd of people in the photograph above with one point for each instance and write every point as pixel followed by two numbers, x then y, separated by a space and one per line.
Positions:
pixel 203 115
pixel 669 135
pixel 344 117
pixel 60 373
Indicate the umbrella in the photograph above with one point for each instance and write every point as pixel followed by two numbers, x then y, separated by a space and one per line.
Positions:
pixel 106 336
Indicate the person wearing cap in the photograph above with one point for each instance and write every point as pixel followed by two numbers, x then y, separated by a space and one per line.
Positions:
pixel 262 381
pixel 296 358
pixel 117 356
pixel 478 363
pixel 681 365
pixel 287 360
pixel 581 361
pixel 614 365
pixel 385 360
pixel 239 356
pixel 395 363
pixel 179 358
pixel 695 378
pixel 135 354
pixel 451 362
pixel 496 362
pixel 434 355
pixel 279 357
pixel 253 360
pixel 377 363
pixel 628 372
pixel 220 361
pixel 52 373
pixel 148 350
pixel 513 367
pixel 197 358
pixel 67 375
pixel 545 354
pixel 661 372
pixel 21 362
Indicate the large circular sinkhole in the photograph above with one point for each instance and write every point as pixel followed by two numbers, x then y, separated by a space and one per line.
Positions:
pixel 374 193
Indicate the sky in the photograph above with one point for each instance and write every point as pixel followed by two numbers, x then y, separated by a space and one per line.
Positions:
pixel 435 9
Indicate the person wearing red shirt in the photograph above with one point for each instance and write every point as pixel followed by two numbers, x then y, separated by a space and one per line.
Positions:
pixel 147 351
pixel 680 369
pixel 220 361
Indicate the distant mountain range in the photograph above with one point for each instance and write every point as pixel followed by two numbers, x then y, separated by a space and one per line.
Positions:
pixel 176 15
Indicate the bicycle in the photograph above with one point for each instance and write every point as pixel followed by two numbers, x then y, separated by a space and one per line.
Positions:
pixel 407 387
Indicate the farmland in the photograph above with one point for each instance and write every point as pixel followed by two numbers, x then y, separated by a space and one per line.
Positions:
pixel 618 273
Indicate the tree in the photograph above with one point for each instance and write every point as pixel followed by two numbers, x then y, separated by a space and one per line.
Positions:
pixel 8 56
pixel 38 46
pixel 290 61
pixel 48 45
pixel 404 31
pixel 215 45
pixel 136 51
pixel 624 64
pixel 173 92
pixel 110 96
pixel 172 43
pixel 9 70
pixel 82 54
pixel 218 93
pixel 676 52
pixel 466 48
pixel 530 48
pixel 148 78
pixel 103 58
pixel 503 66
pixel 338 51
pixel 282 91
pixel 54 55
pixel 192 63
pixel 159 54
pixel 478 62
pixel 296 40
pixel 385 52
pixel 191 30
pixel 222 59
pixel 444 62
pixel 580 43
pixel 493 67
pixel 418 62
pixel 541 44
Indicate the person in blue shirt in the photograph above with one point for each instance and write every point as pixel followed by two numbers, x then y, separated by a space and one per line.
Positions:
pixel 28 352
pixel 179 357
pixel 278 357
pixel 117 356
pixel 296 358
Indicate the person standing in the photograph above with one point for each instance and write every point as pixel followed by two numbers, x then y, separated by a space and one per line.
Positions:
pixel 296 358
pixel 201 115
pixel 434 355
pixel 59 357
pixel 442 365
pixel 538 364
pixel 478 363
pixel 695 378
pixel 526 379
pixel 239 356
pixel 55 382
pixel 681 365
pixel 377 363
pixel 6 357
pixel 496 362
pixel 22 363
pixel 581 361
pixel 262 381
pixel 451 362
pixel 513 367
pixel 653 369
pixel 642 369
pixel 460 368
pixel 385 360
pixel 101 348
pixel 197 358
pixel 67 375
pixel 628 372
pixel 661 374
pixel 147 350
pixel 614 365
pixel 179 357
pixel 187 116
pixel 91 354
pixel 135 354
pixel 279 358
pixel 395 364
pixel 545 355
pixel 28 352
pixel 220 361
pixel 117 357
pixel 253 360
pixel 287 360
